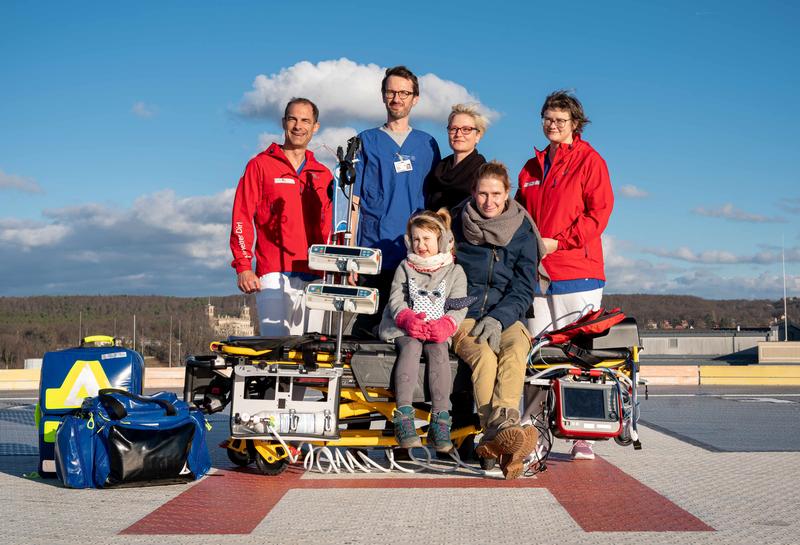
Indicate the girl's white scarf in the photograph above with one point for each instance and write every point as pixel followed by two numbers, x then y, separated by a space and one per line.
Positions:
pixel 431 263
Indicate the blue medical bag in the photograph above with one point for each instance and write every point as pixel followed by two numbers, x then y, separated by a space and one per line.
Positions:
pixel 123 439
pixel 70 376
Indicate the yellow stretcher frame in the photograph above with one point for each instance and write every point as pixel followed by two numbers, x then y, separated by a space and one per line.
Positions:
pixel 274 457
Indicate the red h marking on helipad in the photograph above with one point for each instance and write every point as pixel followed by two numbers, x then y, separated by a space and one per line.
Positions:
pixel 599 497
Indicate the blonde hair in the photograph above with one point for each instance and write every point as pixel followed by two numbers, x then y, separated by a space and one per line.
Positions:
pixel 481 122
pixel 433 221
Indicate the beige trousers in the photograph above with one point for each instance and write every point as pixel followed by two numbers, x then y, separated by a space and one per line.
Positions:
pixel 497 379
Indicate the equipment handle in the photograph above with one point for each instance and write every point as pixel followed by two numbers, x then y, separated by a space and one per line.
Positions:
pixel 98 340
pixel 116 410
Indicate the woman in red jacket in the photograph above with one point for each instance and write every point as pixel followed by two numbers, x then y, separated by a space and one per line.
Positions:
pixel 567 191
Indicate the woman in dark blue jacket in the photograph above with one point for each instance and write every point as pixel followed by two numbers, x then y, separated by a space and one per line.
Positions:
pixel 497 246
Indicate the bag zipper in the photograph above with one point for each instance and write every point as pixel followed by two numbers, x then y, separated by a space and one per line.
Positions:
pixel 492 259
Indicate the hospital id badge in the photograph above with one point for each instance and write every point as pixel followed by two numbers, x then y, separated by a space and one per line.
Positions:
pixel 403 165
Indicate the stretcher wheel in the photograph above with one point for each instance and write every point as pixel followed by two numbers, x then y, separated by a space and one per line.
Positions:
pixel 624 438
pixel 242 459
pixel 271 468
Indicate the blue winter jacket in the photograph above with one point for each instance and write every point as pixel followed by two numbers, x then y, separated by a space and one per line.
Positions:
pixel 388 197
pixel 501 277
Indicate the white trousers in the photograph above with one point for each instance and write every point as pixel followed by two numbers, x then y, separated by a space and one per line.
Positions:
pixel 281 307
pixel 551 312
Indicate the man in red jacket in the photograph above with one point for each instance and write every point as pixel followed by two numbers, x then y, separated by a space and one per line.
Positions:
pixel 282 204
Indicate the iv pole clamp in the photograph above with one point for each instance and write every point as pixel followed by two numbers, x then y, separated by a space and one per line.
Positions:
pixel 344 258
pixel 347 179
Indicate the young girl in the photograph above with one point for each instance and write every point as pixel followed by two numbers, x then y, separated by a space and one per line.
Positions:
pixel 418 320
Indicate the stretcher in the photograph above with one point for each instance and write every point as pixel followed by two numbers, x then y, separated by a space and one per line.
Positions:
pixel 328 399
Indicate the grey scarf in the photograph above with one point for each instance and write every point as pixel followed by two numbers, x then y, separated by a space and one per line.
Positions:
pixel 499 230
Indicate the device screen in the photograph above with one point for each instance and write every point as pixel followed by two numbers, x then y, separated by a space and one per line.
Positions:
pixel 336 290
pixel 341 250
pixel 584 403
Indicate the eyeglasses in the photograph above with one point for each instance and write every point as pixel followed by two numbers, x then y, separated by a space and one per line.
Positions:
pixel 560 123
pixel 466 131
pixel 402 95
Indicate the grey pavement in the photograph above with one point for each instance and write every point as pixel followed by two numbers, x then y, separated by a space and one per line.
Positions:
pixel 727 419
pixel 712 452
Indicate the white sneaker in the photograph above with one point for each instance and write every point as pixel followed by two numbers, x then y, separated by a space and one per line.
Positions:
pixel 582 450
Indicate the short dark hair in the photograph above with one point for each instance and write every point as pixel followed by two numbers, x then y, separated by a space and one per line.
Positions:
pixel 301 100
pixel 401 72
pixel 566 100
pixel 492 169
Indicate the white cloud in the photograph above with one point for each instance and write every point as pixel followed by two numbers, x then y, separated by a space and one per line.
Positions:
pixel 183 216
pixel 25 235
pixel 612 246
pixel 628 270
pixel 702 283
pixel 162 243
pixel 85 215
pixel 708 256
pixel 347 92
pixel 437 97
pixel 729 212
pixel 20 183
pixel 143 110
pixel 178 245
pixel 326 141
pixel 723 257
pixel 267 138
pixel 765 285
pixel 633 192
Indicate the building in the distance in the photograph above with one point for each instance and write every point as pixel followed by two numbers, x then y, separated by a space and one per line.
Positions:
pixel 734 344
pixel 237 326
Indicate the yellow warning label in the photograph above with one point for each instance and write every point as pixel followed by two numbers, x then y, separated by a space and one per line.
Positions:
pixel 49 430
pixel 85 379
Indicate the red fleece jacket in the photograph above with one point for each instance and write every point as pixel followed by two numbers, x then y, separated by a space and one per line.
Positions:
pixel 572 205
pixel 283 212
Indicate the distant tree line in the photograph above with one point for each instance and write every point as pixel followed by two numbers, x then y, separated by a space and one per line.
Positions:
pixel 703 313
pixel 31 326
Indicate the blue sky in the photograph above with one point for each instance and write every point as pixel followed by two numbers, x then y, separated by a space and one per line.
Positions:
pixel 125 127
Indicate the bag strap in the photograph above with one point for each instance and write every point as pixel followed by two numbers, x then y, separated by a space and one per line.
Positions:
pixel 582 357
pixel 592 324
pixel 117 411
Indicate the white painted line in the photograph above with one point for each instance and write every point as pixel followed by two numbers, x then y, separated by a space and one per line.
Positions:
pixel 765 400
pixel 771 395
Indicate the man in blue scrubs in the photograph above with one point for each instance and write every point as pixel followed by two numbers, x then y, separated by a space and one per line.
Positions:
pixel 393 163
